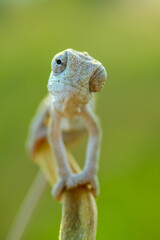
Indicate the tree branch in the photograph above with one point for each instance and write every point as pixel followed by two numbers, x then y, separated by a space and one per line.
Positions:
pixel 79 215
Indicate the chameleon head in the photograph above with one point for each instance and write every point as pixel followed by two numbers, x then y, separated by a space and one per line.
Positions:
pixel 75 75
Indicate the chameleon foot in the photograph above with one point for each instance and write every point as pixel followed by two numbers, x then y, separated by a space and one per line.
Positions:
pixel 58 188
pixel 83 178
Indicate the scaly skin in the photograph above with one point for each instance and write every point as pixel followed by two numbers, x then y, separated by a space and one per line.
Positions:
pixel 73 79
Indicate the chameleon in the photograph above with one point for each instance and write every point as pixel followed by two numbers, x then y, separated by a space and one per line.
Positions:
pixel 68 110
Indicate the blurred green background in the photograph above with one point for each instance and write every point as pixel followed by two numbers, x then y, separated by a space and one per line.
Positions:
pixel 125 37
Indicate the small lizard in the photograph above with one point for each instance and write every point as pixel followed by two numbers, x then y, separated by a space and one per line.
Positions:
pixel 75 77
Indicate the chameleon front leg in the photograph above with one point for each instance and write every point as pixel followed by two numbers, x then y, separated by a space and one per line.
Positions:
pixel 58 149
pixel 88 175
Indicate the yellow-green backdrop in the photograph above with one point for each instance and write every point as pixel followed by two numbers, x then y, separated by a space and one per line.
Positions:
pixel 125 37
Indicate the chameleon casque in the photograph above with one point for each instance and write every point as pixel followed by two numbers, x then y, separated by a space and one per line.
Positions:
pixel 69 112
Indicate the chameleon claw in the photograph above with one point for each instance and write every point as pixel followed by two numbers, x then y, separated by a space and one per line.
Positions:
pixel 95 186
pixel 58 188
pixel 81 179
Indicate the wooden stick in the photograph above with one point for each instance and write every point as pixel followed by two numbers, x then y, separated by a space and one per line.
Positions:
pixel 79 215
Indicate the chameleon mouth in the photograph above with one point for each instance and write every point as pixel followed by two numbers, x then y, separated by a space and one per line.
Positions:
pixel 55 86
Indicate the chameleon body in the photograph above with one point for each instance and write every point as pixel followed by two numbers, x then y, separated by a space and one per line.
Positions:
pixel 75 77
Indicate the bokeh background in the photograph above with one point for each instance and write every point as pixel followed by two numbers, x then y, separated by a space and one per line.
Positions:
pixel 125 37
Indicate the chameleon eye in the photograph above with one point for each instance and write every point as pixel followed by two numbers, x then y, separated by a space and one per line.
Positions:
pixel 58 62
